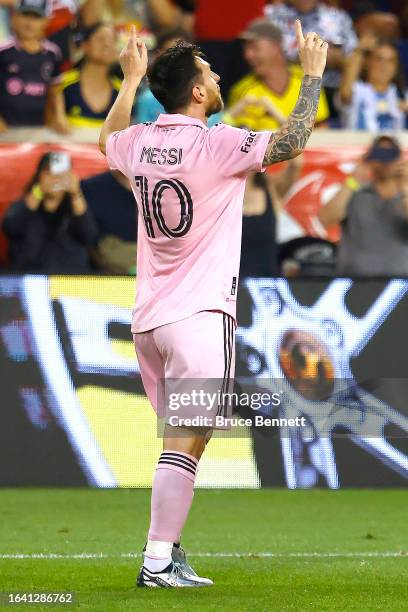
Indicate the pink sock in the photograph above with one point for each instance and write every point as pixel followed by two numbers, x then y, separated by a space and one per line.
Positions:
pixel 172 495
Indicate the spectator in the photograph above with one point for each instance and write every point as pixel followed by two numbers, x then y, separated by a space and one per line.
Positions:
pixel 369 20
pixel 51 227
pixel 90 90
pixel 29 71
pixel 109 197
pixel 373 101
pixel 122 14
pixel 374 215
pixel 273 85
pixel 252 101
pixel 65 15
pixel 332 24
pixel 264 193
pixel 166 14
pixel 217 26
pixel 394 18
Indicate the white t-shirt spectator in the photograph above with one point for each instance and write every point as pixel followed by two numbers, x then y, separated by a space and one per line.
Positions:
pixel 373 111
pixel 332 24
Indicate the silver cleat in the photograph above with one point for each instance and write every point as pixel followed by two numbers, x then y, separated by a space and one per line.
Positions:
pixel 178 556
pixel 171 577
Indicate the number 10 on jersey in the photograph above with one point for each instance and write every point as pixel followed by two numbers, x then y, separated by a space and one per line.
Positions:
pixel 156 205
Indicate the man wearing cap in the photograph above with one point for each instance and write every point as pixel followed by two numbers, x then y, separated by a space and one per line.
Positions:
pixel 270 91
pixel 372 206
pixel 30 71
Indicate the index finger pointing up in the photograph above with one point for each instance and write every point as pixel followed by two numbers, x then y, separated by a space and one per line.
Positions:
pixel 133 36
pixel 299 33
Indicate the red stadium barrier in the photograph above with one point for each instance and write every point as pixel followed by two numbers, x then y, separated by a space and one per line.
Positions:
pixel 324 168
pixel 19 161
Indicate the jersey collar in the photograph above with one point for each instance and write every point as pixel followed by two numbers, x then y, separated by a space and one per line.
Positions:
pixel 177 119
pixel 18 46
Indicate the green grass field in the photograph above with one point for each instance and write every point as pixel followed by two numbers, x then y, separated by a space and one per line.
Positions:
pixel 344 550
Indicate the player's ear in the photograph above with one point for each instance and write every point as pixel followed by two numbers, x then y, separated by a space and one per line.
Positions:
pixel 199 93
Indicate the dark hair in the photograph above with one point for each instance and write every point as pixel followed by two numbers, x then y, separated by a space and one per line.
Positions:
pixel 365 7
pixel 64 210
pixel 173 74
pixel 84 34
pixel 399 78
pixel 43 164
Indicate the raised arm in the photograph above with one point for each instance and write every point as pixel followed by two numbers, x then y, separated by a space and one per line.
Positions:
pixel 290 140
pixel 133 60
pixel 335 210
pixel 353 67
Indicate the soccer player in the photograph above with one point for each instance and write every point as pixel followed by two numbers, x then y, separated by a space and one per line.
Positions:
pixel 189 184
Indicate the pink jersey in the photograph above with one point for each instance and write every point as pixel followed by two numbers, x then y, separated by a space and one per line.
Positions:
pixel 189 182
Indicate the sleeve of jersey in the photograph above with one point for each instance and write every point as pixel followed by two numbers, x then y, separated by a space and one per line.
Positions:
pixel 237 152
pixel 118 149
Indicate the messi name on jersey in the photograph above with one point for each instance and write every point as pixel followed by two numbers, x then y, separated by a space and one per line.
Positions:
pixel 154 155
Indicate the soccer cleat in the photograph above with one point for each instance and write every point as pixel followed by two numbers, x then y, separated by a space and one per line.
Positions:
pixel 171 577
pixel 179 558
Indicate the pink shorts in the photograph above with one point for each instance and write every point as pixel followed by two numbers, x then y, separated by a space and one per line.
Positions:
pixel 199 348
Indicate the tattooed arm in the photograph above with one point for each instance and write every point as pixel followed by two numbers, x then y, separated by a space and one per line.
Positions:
pixel 292 137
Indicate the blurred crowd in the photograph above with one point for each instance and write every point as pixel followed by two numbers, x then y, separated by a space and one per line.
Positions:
pixel 59 68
